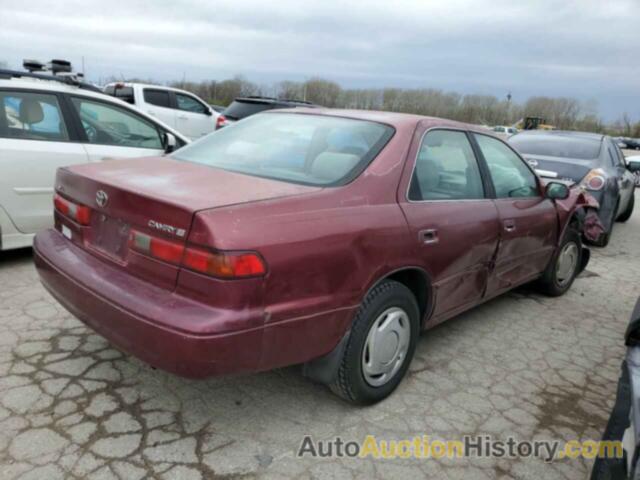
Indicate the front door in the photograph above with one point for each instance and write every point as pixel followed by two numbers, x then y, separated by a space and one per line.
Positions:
pixel 34 141
pixel 113 132
pixel 528 220
pixel 193 118
pixel 454 224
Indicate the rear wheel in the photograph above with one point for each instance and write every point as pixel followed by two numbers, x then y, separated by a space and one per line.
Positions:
pixel 626 215
pixel 564 266
pixel 381 345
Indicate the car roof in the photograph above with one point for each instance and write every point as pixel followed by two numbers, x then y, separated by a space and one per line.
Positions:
pixel 564 133
pixel 394 119
pixel 150 86
pixel 55 83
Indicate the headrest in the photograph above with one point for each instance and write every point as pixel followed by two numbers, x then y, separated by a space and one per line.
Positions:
pixel 331 166
pixel 30 111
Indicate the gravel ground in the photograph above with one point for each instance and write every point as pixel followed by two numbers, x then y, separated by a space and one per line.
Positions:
pixel 525 365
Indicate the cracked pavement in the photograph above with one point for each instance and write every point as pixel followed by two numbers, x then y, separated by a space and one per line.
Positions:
pixel 71 406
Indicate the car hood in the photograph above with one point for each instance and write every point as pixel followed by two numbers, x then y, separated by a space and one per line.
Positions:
pixel 567 169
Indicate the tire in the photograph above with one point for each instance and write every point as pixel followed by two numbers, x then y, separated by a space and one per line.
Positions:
pixel 382 305
pixel 626 215
pixel 553 282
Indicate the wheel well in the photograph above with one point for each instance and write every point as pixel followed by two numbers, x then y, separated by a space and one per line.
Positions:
pixel 416 281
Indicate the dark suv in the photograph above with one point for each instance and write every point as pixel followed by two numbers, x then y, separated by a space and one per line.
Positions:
pixel 243 107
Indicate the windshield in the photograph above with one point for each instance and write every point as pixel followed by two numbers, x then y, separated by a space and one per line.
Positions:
pixel 578 148
pixel 298 148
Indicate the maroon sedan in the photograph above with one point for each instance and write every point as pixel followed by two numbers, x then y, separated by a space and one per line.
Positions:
pixel 325 238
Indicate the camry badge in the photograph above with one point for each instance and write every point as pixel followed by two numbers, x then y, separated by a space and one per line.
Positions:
pixel 102 198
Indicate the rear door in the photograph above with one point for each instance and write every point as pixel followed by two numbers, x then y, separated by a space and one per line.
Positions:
pixel 528 220
pixel 157 103
pixel 193 118
pixel 36 138
pixel 110 131
pixel 454 223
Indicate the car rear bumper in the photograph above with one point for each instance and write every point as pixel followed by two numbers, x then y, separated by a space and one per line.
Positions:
pixel 170 331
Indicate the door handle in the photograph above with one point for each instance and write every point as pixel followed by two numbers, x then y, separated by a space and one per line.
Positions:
pixel 510 225
pixel 429 236
pixel 183 117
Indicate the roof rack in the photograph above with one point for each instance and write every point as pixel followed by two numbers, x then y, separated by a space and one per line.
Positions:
pixel 293 100
pixel 260 97
pixel 60 71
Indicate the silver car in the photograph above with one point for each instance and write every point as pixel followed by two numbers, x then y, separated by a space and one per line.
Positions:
pixel 592 160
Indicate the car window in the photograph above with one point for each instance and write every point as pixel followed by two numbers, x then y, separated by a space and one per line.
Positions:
pixel 446 168
pixel 121 92
pixel 189 104
pixel 111 125
pixel 239 110
pixel 307 149
pixel 159 98
pixel 510 175
pixel 620 155
pixel 32 116
pixel 613 159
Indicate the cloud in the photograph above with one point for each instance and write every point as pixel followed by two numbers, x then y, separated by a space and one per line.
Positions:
pixel 582 48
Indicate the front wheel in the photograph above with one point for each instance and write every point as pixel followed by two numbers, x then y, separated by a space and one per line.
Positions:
pixel 564 266
pixel 380 346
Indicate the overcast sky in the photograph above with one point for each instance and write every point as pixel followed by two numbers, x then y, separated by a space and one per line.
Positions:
pixel 588 49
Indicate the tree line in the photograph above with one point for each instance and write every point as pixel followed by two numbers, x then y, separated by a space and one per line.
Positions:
pixel 562 112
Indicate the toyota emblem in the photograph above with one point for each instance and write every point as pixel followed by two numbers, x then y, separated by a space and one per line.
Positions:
pixel 102 198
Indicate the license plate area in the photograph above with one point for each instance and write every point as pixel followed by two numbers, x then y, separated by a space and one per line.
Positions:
pixel 109 236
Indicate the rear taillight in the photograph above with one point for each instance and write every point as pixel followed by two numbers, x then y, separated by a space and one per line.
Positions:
pixel 215 264
pixel 156 247
pixel 221 121
pixel 594 180
pixel 224 264
pixel 78 213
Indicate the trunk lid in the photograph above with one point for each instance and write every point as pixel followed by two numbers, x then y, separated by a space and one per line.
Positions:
pixel 567 169
pixel 157 196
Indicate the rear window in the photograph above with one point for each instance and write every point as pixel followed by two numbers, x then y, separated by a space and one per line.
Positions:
pixel 297 148
pixel 239 110
pixel 556 146
pixel 159 98
pixel 123 93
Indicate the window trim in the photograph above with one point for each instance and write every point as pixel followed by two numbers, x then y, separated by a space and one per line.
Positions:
pixel 66 115
pixel 488 192
pixel 526 164
pixel 83 135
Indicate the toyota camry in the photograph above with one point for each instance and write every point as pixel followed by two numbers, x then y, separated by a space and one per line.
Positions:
pixel 326 238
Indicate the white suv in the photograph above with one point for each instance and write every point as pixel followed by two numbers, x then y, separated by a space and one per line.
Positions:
pixel 185 112
pixel 48 122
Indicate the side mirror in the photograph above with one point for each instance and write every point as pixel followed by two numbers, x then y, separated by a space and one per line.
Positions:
pixel 633 166
pixel 169 142
pixel 209 112
pixel 556 191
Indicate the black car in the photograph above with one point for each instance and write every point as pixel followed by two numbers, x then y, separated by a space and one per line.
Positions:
pixel 243 107
pixel 631 143
pixel 624 422
pixel 592 160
